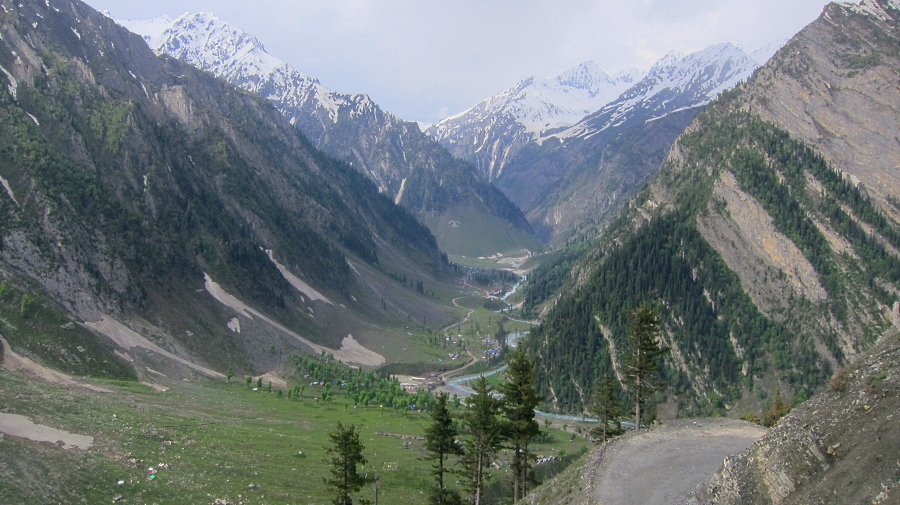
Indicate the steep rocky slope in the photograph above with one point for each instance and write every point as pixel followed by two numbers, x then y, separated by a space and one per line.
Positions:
pixel 840 447
pixel 178 215
pixel 835 87
pixel 769 265
pixel 405 163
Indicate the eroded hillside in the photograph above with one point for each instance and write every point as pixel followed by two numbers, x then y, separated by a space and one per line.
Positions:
pixel 840 447
pixel 770 264
pixel 172 212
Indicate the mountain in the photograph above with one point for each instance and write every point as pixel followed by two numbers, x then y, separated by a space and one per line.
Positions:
pixel 492 133
pixel 837 448
pixel 154 216
pixel 675 83
pixel 577 178
pixel 849 113
pixel 416 171
pixel 771 263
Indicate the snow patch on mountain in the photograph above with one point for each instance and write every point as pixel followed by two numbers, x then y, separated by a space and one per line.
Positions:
pixel 873 8
pixel 675 83
pixel 539 104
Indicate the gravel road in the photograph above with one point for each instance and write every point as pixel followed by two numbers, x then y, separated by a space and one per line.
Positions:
pixel 663 466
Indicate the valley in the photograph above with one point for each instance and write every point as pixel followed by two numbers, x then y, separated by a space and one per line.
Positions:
pixel 589 288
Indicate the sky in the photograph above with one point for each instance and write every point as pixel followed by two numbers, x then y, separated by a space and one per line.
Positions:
pixel 424 60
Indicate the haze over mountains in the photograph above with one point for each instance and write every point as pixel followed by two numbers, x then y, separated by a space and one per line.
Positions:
pixel 505 130
pixel 492 132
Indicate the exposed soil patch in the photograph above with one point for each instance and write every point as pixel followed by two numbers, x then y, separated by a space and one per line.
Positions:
pixel 14 362
pixel 351 351
pixel 20 426
pixel 128 339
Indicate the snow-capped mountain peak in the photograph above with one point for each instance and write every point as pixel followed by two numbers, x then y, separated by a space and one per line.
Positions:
pixel 674 83
pixel 669 60
pixel 587 75
pixel 207 42
pixel 499 125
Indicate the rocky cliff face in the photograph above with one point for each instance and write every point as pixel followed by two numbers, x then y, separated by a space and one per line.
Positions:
pixel 840 447
pixel 834 86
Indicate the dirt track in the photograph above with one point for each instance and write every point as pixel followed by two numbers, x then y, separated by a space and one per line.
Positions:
pixel 663 466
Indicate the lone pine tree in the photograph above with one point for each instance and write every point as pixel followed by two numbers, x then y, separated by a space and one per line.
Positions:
pixel 441 444
pixel 344 456
pixel 607 408
pixel 642 363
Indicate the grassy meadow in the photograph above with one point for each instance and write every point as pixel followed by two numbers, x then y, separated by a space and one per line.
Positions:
pixel 215 441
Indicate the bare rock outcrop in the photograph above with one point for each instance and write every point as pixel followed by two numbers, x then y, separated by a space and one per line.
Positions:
pixel 842 446
pixel 835 86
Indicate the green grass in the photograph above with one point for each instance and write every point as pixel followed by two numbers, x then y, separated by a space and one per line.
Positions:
pixel 217 438
pixel 470 230
pixel 41 332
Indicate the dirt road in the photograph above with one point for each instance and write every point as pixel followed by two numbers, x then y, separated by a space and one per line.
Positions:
pixel 663 466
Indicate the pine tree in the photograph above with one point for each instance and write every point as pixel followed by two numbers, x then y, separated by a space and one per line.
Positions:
pixel 779 409
pixel 607 409
pixel 519 426
pixel 483 427
pixel 441 443
pixel 344 456
pixel 642 364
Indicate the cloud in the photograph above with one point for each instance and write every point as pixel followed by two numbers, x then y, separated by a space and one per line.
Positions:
pixel 416 58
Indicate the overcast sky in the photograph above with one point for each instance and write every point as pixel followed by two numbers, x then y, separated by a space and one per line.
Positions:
pixel 426 59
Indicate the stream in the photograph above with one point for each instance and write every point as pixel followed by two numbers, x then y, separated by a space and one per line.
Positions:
pixel 458 385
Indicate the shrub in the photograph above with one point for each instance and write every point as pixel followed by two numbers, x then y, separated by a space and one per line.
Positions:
pixel 839 381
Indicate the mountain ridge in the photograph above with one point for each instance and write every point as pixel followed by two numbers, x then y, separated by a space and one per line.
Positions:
pixel 587 171
pixel 402 160
pixel 524 112
pixel 179 214
pixel 791 266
